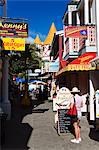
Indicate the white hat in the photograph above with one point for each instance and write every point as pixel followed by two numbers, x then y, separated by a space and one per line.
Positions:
pixel 75 90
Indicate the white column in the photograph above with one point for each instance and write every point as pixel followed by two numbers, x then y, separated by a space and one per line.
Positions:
pixel 92 21
pixel 97 25
pixel 5 102
pixel 86 11
pixel 70 17
pixel 91 99
pixel 78 20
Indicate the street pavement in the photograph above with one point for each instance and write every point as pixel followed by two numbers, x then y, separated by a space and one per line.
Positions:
pixel 34 129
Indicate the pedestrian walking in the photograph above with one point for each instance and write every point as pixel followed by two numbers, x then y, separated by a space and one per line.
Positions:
pixel 76 120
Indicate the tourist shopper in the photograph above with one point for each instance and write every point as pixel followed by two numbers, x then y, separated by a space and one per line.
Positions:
pixel 76 120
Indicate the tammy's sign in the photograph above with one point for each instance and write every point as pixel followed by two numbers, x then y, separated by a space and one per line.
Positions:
pixel 14 29
pixel 75 31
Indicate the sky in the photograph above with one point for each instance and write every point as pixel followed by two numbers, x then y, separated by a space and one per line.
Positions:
pixel 40 14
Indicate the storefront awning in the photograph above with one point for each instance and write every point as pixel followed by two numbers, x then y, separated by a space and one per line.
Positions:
pixel 80 64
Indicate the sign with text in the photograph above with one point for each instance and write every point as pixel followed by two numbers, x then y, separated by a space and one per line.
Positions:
pixel 72 7
pixel 82 62
pixel 14 29
pixel 75 31
pixel 16 44
pixel 53 66
pixel 64 121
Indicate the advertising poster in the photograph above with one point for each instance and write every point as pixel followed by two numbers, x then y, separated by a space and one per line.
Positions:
pixel 76 31
pixel 13 44
pixel 14 29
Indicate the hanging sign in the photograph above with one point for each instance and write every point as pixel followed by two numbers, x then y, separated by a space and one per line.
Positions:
pixel 13 44
pixel 75 31
pixel 14 29
pixel 72 7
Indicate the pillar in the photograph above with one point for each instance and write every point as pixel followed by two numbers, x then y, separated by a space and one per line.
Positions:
pixel 70 17
pixel 91 100
pixel 86 11
pixel 5 98
pixel 97 25
pixel 78 20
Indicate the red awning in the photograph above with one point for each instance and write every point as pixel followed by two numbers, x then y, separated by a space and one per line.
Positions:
pixel 63 63
pixel 81 63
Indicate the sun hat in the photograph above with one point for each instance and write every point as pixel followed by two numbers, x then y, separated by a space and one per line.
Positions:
pixel 75 90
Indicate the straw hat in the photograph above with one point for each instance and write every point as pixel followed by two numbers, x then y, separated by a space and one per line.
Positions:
pixel 75 90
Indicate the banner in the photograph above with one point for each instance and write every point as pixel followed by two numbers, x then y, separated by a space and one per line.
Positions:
pixel 16 44
pixel 75 31
pixel 14 29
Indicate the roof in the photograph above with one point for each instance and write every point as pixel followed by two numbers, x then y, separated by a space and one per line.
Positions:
pixel 50 35
pixel 37 40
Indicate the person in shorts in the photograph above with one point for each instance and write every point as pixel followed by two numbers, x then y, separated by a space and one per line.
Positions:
pixel 76 120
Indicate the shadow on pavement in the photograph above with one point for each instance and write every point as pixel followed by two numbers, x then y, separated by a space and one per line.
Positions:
pixel 94 134
pixel 39 110
pixel 17 133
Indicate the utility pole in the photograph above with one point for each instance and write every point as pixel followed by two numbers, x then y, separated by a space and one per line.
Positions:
pixel 4 9
pixel 5 69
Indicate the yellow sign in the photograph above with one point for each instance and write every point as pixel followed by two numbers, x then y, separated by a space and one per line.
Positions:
pixel 76 67
pixel 79 67
pixel 13 44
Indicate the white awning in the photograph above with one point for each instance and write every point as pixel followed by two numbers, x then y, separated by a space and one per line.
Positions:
pixel 96 59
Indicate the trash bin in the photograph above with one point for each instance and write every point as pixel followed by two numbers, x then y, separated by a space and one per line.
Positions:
pixel 3 117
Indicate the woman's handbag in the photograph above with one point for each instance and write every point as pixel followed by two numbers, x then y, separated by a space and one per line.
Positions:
pixel 72 111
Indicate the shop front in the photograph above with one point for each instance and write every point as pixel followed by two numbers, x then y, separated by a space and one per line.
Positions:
pixel 79 73
pixel 95 85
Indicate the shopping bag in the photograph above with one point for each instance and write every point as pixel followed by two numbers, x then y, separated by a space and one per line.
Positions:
pixel 72 111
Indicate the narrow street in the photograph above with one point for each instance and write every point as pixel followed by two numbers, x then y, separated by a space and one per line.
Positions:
pixel 33 129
